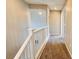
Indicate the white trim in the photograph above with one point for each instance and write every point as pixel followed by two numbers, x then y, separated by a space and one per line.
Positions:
pixel 52 37
pixel 48 19
pixel 41 49
pixel 68 49
pixel 63 22
pixel 38 29
pixel 61 27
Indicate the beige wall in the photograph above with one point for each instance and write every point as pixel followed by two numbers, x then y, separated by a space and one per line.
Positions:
pixel 68 27
pixel 55 23
pixel 18 18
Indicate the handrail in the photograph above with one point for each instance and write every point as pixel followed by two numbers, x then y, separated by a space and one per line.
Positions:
pixel 23 46
pixel 27 40
pixel 38 29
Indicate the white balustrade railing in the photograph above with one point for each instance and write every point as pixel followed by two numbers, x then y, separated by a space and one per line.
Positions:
pixel 33 45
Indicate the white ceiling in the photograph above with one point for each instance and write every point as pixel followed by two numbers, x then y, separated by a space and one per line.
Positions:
pixel 53 4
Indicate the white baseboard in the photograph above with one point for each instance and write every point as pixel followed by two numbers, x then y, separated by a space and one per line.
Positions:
pixel 68 50
pixel 41 49
pixel 54 37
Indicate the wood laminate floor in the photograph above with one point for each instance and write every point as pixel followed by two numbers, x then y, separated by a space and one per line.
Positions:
pixel 55 51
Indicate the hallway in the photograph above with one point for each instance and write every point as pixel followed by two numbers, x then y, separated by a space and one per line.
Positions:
pixel 54 50
pixel 33 25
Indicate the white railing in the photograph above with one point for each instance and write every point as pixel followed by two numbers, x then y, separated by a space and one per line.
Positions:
pixel 34 44
pixel 40 37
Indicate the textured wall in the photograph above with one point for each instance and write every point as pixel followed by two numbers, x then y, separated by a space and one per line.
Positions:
pixel 55 23
pixel 17 22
